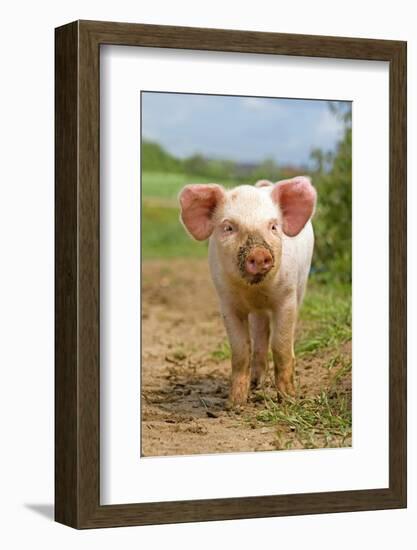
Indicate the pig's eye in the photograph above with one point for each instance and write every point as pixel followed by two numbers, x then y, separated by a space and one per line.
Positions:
pixel 227 228
pixel 274 227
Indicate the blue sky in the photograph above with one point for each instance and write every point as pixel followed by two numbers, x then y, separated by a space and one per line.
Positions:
pixel 243 129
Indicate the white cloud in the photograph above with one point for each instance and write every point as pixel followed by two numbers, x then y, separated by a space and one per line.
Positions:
pixel 254 103
pixel 328 128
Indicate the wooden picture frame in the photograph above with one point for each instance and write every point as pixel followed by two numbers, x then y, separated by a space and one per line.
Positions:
pixel 77 359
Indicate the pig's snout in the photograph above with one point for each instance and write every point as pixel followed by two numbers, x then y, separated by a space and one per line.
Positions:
pixel 255 260
pixel 259 261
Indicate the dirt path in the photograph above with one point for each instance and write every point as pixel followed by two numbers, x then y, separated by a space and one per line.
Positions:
pixel 185 371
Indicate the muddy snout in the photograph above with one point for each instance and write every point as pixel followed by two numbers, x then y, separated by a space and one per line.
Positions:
pixel 259 261
pixel 255 260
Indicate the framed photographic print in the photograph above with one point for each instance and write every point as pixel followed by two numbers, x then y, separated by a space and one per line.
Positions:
pixel 230 274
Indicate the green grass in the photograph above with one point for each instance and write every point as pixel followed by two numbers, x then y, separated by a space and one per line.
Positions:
pixel 163 236
pixel 222 352
pixel 326 317
pixel 167 185
pixel 314 421
pixel 162 185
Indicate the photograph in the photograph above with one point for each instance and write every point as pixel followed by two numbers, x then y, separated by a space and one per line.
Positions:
pixel 246 275
pixel 230 266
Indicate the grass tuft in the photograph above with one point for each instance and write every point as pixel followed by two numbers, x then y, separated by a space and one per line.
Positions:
pixel 222 353
pixel 327 415
pixel 326 319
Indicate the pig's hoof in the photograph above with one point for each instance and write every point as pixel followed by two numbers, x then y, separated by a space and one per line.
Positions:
pixel 237 398
pixel 234 403
pixel 285 390
pixel 239 391
pixel 233 408
pixel 257 380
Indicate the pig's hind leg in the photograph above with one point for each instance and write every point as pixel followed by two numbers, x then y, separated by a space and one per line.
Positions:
pixel 259 331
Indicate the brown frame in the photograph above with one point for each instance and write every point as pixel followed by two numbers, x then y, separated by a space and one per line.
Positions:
pixel 77 406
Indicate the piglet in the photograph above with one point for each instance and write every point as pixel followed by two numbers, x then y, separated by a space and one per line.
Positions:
pixel 260 247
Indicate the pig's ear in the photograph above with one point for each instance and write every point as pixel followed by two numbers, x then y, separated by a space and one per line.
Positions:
pixel 198 203
pixel 263 183
pixel 296 198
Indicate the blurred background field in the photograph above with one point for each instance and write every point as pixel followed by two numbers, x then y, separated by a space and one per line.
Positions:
pixel 183 142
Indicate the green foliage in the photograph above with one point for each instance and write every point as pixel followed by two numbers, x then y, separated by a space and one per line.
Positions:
pixel 266 170
pixel 163 235
pixel 197 164
pixel 167 185
pixel 333 218
pixel 155 158
pixel 222 352
pixel 327 318
pixel 327 414
pixel 216 170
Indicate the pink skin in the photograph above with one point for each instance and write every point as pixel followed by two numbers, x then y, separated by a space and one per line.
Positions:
pixel 249 330
pixel 296 198
pixel 259 261
pixel 197 205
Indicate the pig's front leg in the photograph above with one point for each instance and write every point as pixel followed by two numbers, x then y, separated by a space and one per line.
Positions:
pixel 259 329
pixel 237 328
pixel 282 344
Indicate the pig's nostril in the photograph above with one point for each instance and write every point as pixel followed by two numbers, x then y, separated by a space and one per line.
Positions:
pixel 258 261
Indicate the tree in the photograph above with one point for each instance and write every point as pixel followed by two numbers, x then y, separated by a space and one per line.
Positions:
pixel 333 221
pixel 266 170
pixel 155 159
